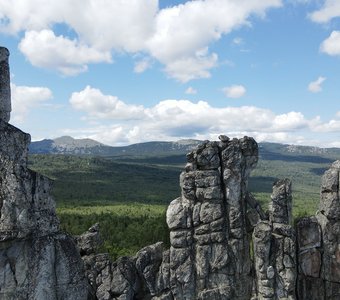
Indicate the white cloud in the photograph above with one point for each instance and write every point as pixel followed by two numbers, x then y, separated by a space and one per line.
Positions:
pixel 178 36
pixel 189 68
pixel 174 119
pixel 238 41
pixel 331 45
pixel 44 49
pixel 290 121
pixel 338 114
pixel 184 30
pixel 190 91
pixel 142 65
pixel 100 106
pixel 25 98
pixel 234 91
pixel 330 10
pixel 315 86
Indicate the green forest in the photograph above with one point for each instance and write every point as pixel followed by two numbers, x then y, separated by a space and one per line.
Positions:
pixel 128 196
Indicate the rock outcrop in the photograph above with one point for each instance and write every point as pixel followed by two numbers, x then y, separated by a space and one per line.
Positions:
pixel 37 260
pixel 5 88
pixel 223 245
pixel 319 243
pixel 274 248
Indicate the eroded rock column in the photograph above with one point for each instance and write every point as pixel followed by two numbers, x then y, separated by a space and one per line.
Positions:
pixel 5 88
pixel 274 247
pixel 209 254
pixel 319 243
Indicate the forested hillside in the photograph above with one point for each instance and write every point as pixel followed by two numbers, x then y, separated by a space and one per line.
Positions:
pixel 128 195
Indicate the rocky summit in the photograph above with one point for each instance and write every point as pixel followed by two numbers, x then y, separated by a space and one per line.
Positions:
pixel 223 244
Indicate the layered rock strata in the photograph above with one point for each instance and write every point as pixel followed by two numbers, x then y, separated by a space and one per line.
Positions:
pixel 37 260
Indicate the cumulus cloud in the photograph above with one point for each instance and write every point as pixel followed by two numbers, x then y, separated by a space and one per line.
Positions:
pixel 24 98
pixel 315 86
pixel 184 30
pixel 178 36
pixel 174 119
pixel 142 65
pixel 329 10
pixel 234 91
pixel 44 49
pixel 190 91
pixel 189 68
pixel 331 45
pixel 100 106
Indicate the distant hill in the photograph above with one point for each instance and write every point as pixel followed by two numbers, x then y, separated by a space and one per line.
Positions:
pixel 71 146
pixel 268 151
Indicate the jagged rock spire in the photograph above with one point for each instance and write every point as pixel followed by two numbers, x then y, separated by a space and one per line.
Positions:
pixel 5 88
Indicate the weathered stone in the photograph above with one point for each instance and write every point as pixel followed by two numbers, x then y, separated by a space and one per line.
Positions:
pixel 330 202
pixel 89 242
pixel 280 208
pixel 37 261
pixel 310 263
pixel 310 288
pixel 5 88
pixel 309 233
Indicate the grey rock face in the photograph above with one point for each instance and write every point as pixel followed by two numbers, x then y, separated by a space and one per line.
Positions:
pixel 37 261
pixel 209 254
pixel 318 243
pixel 5 88
pixel 144 276
pixel 274 248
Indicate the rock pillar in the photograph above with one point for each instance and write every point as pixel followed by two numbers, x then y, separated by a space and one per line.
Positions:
pixel 5 88
pixel 209 254
pixel 274 247
pixel 319 243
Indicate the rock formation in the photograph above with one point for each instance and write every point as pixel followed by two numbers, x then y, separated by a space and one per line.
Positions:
pixel 37 261
pixel 274 248
pixel 318 243
pixel 5 88
pixel 223 245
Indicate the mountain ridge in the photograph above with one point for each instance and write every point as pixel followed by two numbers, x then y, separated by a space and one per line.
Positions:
pixel 72 146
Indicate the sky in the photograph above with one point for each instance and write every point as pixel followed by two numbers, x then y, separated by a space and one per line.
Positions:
pixel 130 71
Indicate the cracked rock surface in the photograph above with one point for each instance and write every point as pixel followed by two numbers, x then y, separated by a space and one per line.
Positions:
pixel 37 261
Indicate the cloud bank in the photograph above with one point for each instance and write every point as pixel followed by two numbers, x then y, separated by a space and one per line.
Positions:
pixel 178 37
pixel 174 119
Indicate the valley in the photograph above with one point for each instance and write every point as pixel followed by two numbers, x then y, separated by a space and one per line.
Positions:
pixel 128 194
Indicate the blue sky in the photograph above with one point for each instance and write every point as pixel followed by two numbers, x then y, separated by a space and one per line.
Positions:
pixel 129 71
